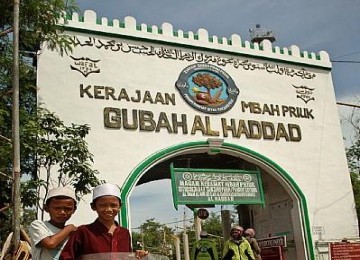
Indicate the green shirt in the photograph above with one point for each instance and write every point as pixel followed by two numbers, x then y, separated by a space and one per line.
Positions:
pixel 242 250
pixel 204 249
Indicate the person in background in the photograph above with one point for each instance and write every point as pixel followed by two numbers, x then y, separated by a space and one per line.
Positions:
pixel 204 248
pixel 249 234
pixel 49 237
pixel 104 235
pixel 237 247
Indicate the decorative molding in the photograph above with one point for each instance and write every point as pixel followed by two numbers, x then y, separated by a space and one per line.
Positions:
pixel 165 34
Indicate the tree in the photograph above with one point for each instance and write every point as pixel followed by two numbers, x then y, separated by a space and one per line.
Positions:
pixel 39 22
pixel 353 157
pixel 356 189
pixel 209 82
pixel 214 227
pixel 57 155
pixel 355 179
pixel 154 237
pixel 213 224
pixel 58 148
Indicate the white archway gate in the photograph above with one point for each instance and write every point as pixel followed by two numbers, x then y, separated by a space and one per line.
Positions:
pixel 301 231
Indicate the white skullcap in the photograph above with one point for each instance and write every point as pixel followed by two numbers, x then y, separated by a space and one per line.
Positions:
pixel 61 191
pixel 106 189
pixel 203 233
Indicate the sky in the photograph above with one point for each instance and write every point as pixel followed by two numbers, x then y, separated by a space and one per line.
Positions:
pixel 313 25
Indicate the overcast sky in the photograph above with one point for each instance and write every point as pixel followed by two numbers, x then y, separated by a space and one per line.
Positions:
pixel 313 25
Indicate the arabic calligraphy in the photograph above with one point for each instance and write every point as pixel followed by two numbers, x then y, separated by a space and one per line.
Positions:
pixel 192 56
pixel 198 176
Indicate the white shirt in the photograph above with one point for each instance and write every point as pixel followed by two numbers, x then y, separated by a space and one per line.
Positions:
pixel 38 231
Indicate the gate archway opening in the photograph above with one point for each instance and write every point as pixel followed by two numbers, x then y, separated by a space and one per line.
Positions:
pixel 285 204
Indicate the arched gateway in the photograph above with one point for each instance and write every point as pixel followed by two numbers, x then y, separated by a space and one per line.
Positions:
pixel 153 95
pixel 300 227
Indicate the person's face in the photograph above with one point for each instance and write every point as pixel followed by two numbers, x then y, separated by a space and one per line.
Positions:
pixel 236 234
pixel 107 208
pixel 60 210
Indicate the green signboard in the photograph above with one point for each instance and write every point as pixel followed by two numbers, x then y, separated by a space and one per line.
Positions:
pixel 216 186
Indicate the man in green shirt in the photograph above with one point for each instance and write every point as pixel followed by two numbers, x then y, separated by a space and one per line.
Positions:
pixel 204 248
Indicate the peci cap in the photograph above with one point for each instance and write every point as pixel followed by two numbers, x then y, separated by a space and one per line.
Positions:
pixel 106 189
pixel 203 233
pixel 61 191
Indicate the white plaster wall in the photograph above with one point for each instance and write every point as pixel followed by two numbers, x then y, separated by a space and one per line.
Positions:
pixel 317 163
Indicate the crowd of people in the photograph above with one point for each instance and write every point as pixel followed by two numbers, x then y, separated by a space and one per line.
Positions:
pixel 242 245
pixel 53 239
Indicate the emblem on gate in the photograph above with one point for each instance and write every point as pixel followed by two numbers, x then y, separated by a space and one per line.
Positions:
pixel 304 93
pixel 85 66
pixel 207 88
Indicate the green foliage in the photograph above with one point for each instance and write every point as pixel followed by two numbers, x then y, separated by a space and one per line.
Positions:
pixel 213 225
pixel 353 158
pixel 356 189
pixel 45 141
pixel 136 241
pixel 56 151
pixel 155 237
pixel 159 239
pixel 61 153
pixel 39 21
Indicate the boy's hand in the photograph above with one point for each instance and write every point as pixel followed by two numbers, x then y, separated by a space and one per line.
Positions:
pixel 71 227
pixel 141 253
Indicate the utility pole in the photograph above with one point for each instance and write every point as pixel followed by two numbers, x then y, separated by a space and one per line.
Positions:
pixel 177 247
pixel 226 220
pixel 197 225
pixel 15 130
pixel 186 241
pixel 164 247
